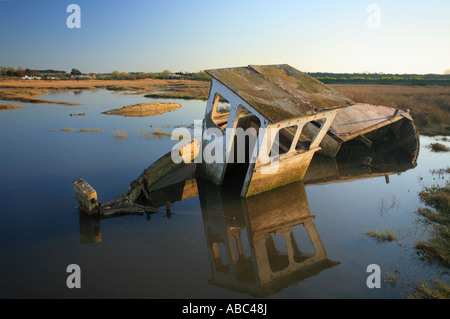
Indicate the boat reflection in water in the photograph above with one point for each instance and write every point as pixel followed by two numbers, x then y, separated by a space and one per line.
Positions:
pixel 261 244
pixel 253 243
pixel 90 229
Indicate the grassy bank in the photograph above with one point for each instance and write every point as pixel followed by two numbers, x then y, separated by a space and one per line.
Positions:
pixel 27 91
pixel 393 80
pixel 433 248
pixel 429 105
pixel 436 249
pixel 10 106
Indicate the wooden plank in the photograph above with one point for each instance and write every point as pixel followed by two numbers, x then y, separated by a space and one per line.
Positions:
pixel 365 140
pixel 290 169
pixel 125 203
pixel 161 168
pixel 363 118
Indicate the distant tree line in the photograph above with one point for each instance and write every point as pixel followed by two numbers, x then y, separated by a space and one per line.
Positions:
pixel 10 72
pixel 198 76
pixel 115 75
pixel 166 74
pixel 19 72
pixel 325 77
pixel 378 76
pixel 381 78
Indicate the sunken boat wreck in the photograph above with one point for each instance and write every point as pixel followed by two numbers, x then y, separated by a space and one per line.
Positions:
pixel 287 117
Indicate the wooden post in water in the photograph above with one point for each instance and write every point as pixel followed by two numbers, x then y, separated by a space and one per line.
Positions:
pixel 86 196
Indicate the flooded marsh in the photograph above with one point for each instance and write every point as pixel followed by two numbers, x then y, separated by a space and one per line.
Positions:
pixel 303 240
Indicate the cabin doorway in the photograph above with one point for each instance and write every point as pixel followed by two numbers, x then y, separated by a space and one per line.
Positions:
pixel 245 139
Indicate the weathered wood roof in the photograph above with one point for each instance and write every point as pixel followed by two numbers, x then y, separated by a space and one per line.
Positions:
pixel 279 92
pixel 362 118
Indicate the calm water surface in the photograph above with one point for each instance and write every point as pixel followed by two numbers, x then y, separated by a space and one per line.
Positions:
pixel 187 255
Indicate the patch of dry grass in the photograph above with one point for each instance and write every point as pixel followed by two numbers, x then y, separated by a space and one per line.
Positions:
pixel 68 129
pixel 440 171
pixel 83 130
pixel 4 107
pixel 145 109
pixel 437 248
pixel 383 236
pixel 436 290
pixel 437 197
pixel 120 135
pixel 155 134
pixel 438 147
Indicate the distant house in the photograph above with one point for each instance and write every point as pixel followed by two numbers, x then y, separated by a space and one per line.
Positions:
pixel 27 77
pixel 173 76
pixel 82 77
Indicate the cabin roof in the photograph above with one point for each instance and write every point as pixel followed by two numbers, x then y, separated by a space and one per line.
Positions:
pixel 280 92
pixel 362 118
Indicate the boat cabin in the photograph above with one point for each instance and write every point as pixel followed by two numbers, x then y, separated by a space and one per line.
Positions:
pixel 253 125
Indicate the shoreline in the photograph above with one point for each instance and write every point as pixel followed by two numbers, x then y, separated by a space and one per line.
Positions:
pixel 428 104
pixel 26 91
pixel 144 109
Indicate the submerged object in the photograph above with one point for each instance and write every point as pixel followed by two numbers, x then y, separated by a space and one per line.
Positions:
pixel 128 201
pixel 86 196
pixel 275 102
pixel 262 126
pixel 294 115
pixel 370 129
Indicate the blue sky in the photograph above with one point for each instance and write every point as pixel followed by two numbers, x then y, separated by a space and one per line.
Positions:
pixel 150 36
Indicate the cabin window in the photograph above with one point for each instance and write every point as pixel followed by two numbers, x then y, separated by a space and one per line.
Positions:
pixel 319 124
pixel 277 252
pixel 248 119
pixel 220 257
pixel 220 111
pixel 301 244
pixel 283 141
pixel 312 129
